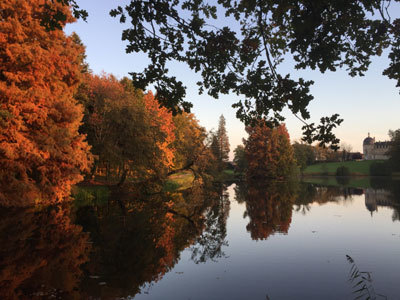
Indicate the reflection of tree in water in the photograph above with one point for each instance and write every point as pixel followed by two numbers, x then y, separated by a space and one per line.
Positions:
pixel 130 250
pixel 210 242
pixel 384 192
pixel 269 208
pixel 306 192
pixel 240 192
pixel 309 193
pixel 381 192
pixel 133 250
pixel 41 253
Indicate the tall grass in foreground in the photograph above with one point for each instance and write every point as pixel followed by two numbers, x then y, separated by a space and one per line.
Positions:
pixel 362 283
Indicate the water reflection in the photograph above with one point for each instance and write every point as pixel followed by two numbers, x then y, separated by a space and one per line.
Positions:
pixel 268 206
pixel 383 193
pixel 124 246
pixel 208 245
pixel 138 248
pixel 311 193
pixel 111 249
pixel 379 193
pixel 42 252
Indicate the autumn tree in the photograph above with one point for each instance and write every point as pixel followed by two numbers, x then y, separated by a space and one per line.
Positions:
pixel 189 140
pixel 220 144
pixel 41 151
pixel 268 151
pixel 130 133
pixel 162 132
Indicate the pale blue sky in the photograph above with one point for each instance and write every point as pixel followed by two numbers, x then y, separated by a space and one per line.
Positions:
pixel 367 104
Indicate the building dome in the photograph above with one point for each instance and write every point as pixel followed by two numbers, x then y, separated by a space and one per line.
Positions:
pixel 368 140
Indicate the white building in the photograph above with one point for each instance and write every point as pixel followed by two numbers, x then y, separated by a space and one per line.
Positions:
pixel 375 150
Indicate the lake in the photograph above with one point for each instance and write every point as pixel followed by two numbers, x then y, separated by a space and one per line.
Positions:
pixel 277 240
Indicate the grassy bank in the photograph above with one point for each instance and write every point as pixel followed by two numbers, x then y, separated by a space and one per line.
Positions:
pixel 356 168
pixel 90 194
pixel 183 180
pixel 179 181
pixel 99 193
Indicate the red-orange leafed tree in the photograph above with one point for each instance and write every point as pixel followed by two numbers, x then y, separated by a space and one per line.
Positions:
pixel 130 133
pixel 268 152
pixel 161 119
pixel 269 208
pixel 41 152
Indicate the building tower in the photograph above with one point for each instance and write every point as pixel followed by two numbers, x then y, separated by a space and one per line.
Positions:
pixel 368 147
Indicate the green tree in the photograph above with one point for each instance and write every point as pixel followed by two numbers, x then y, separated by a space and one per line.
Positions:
pixel 239 159
pixel 304 155
pixel 394 150
pixel 244 58
pixel 220 144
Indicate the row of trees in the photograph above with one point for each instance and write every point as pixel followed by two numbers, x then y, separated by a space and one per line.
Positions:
pixel 58 121
pixel 267 153
pixel 131 135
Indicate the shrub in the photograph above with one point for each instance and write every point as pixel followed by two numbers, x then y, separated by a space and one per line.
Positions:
pixel 380 168
pixel 342 171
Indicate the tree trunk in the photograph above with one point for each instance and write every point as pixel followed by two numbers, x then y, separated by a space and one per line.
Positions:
pixel 123 178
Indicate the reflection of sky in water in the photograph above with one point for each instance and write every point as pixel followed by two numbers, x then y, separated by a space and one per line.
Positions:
pixel 307 263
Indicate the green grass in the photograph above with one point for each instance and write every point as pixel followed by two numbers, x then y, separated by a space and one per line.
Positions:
pixel 183 180
pixel 228 172
pixel 179 181
pixel 329 168
pixel 89 195
pixel 225 176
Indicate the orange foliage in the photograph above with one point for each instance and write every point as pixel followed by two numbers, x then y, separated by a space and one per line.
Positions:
pixel 129 132
pixel 42 254
pixel 162 118
pixel 41 152
pixel 189 140
pixel 268 151
pixel 269 208
pixel 104 93
pixel 166 243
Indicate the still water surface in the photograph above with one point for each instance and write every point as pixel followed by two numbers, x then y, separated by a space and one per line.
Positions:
pixel 276 241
